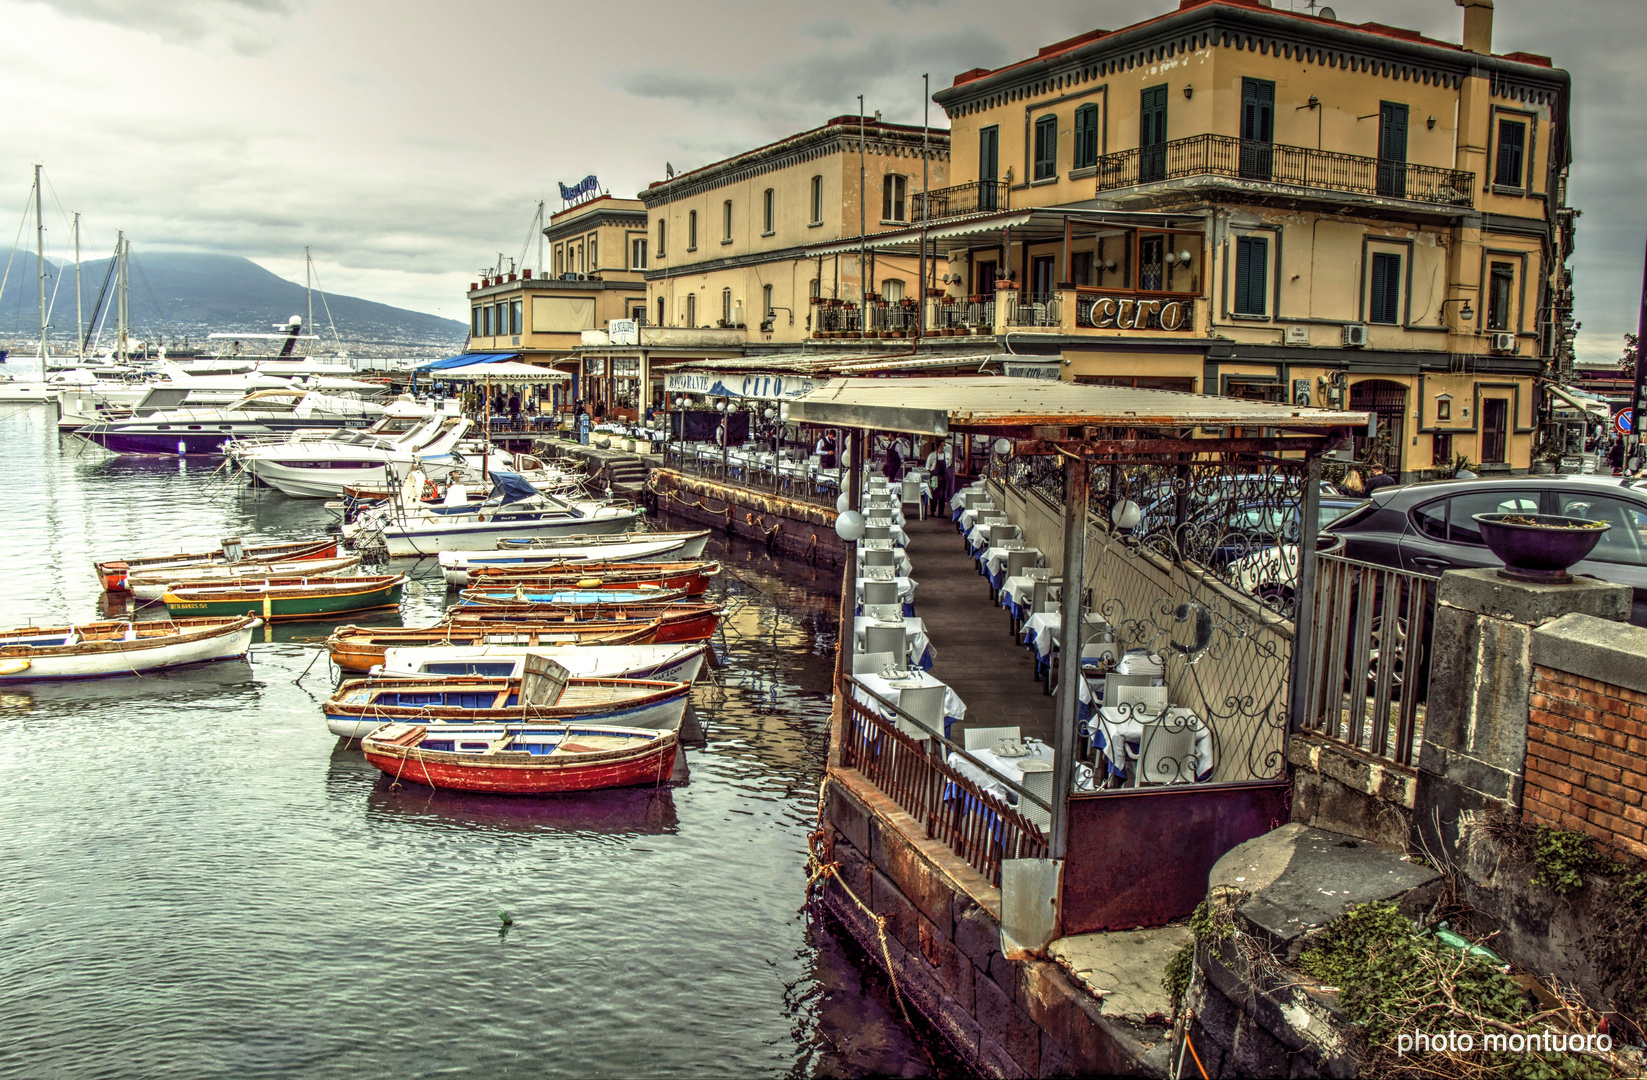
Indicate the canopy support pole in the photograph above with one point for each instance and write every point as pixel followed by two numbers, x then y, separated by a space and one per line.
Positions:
pixel 1069 650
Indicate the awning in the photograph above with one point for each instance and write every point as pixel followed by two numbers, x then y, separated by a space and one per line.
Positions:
pixel 464 360
pixel 504 371
pixel 1588 405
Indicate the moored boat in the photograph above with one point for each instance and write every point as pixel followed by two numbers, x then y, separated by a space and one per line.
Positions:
pixel 523 554
pixel 692 578
pixel 671 663
pixel 360 648
pixel 287 598
pixel 151 585
pixel 112 572
pixel 571 597
pixel 677 622
pixel 109 649
pixel 546 691
pixel 522 759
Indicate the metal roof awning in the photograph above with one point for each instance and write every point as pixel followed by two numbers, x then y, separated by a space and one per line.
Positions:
pixel 822 364
pixel 1597 408
pixel 1057 412
pixel 1039 222
pixel 464 360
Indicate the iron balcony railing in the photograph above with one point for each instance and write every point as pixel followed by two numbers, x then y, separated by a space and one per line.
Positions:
pixel 1293 166
pixel 1033 309
pixel 977 197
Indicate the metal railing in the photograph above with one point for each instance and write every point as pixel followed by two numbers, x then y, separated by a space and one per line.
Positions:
pixel 1035 310
pixel 1295 166
pixel 1369 660
pixel 977 197
pixel 956 812
pixel 952 314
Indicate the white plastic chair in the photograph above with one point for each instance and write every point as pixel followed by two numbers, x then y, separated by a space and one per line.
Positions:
pixel 870 663
pixel 1019 561
pixel 1037 781
pixel 984 738
pixel 1143 700
pixel 1166 753
pixel 887 639
pixel 885 612
pixel 926 704
pixel 880 557
pixel 880 592
pixel 877 532
pixel 913 494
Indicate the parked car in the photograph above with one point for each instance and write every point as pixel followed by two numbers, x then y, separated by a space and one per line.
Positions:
pixel 1430 528
pixel 1269 573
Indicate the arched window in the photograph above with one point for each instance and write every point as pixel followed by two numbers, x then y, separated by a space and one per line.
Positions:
pixel 893 290
pixel 726 222
pixel 726 307
pixel 817 200
pixel 691 309
pixel 766 302
pixel 768 217
pixel 662 311
pixel 893 190
pixel 560 260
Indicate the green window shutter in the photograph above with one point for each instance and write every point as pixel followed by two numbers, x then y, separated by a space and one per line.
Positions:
pixel 1251 275
pixel 1384 303
pixel 1046 147
pixel 1512 140
pixel 1086 136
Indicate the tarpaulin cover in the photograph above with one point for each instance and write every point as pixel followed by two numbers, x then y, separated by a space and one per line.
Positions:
pixel 465 359
pixel 511 487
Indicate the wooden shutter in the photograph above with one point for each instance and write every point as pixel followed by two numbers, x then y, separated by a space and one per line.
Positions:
pixel 1251 275
pixel 1512 139
pixel 1046 147
pixel 1086 136
pixel 1257 110
pixel 1384 305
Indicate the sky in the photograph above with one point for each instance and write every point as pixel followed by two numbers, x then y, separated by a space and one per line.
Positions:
pixel 408 143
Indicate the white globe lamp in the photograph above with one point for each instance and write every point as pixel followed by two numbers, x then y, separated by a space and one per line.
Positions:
pixel 841 502
pixel 1126 514
pixel 849 526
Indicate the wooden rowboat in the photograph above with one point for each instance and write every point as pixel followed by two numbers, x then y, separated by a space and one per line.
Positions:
pixel 545 693
pixel 692 578
pixel 573 597
pixel 360 648
pixel 685 621
pixel 109 649
pixel 151 585
pixel 112 573
pixel 522 759
pixel 287 598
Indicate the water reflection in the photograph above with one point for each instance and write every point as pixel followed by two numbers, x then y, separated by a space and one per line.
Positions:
pixel 626 812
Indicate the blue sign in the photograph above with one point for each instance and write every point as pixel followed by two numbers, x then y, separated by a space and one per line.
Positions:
pixel 582 189
pixel 1621 420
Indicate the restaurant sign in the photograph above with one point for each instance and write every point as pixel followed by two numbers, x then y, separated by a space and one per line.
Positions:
pixel 725 384
pixel 1133 313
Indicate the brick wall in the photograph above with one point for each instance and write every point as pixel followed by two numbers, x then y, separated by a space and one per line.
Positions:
pixel 1587 759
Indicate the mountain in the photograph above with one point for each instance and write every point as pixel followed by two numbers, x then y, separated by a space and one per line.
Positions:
pixel 194 294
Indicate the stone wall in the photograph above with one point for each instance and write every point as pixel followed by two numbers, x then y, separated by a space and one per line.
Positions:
pixel 1586 765
pixel 1006 1018
pixel 781 524
pixel 1343 789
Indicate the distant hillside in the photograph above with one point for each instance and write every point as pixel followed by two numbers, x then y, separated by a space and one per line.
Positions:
pixel 178 295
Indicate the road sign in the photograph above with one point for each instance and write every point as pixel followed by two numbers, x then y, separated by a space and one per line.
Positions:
pixel 1621 421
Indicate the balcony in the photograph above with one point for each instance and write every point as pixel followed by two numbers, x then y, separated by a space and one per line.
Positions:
pixel 1288 166
pixel 977 197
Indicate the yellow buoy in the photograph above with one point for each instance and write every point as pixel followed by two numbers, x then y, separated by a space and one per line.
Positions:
pixel 13 667
pixel 589 583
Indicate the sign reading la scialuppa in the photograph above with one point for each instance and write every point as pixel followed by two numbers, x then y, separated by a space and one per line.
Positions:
pixel 1135 313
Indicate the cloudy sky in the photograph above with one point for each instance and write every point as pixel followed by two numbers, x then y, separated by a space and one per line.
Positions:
pixel 409 142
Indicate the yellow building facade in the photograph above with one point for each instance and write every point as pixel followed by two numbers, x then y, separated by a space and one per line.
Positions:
pixel 1234 199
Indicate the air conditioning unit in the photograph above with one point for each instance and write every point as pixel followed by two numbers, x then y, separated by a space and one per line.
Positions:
pixel 1355 336
pixel 1296 335
pixel 569 276
pixel 1501 343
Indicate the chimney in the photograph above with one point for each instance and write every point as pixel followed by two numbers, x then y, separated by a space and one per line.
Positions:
pixel 1478 25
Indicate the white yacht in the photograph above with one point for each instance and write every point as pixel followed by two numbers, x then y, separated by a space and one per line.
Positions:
pixel 187 430
pixel 319 465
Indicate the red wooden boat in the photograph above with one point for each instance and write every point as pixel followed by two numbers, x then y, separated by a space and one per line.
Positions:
pixel 522 759
pixel 679 622
pixel 112 573
pixel 690 577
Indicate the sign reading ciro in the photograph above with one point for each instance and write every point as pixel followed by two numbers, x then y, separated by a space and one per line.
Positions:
pixel 1131 313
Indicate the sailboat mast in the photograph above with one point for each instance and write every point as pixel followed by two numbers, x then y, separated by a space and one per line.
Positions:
pixel 120 293
pixel 40 265
pixel 79 312
pixel 309 288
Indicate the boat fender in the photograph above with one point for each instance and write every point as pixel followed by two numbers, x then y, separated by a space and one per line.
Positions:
pixel 13 667
pixel 589 583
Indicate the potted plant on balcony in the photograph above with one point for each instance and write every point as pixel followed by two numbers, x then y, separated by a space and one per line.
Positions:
pixel 1539 548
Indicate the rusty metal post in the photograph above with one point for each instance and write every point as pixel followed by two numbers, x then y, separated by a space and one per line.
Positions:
pixel 1069 650
pixel 1303 599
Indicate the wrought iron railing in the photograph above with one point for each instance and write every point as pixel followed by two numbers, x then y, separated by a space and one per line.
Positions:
pixel 977 197
pixel 1369 659
pixel 956 812
pixel 964 312
pixel 1032 309
pixel 1294 166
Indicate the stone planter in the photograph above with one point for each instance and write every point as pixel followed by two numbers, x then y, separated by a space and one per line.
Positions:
pixel 1539 548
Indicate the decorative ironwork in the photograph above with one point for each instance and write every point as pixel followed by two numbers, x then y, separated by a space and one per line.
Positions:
pixel 1032 309
pixel 967 312
pixel 977 197
pixel 1291 166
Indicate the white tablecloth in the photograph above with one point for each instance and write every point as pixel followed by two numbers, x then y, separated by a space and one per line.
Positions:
pixel 915 638
pixel 1118 727
pixel 1042 630
pixel 899 537
pixel 995 559
pixel 954 707
pixel 999 767
pixel 900 557
pixel 1019 590
pixel 969 518
pixel 958 500
pixel 906 589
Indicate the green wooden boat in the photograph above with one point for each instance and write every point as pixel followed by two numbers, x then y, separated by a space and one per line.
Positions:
pixel 286 598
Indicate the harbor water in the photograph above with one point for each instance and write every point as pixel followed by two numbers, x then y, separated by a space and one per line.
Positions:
pixel 199 881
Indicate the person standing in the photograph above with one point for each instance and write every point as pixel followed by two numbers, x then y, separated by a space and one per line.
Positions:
pixel 826 450
pixel 1379 479
pixel 893 466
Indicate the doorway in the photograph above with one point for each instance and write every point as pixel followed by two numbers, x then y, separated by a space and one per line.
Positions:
pixel 1495 430
pixel 1388 401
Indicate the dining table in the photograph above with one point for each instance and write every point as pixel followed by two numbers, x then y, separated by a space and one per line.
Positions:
pixel 995 560
pixel 906 589
pixel 917 646
pixel 892 688
pixel 900 556
pixel 969 516
pixel 997 768
pixel 1118 733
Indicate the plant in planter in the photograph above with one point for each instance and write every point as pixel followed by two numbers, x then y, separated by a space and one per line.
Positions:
pixel 1539 548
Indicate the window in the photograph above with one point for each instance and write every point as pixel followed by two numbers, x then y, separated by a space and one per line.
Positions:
pixel 1152 262
pixel 662 310
pixel 1500 282
pixel 815 288
pixel 1384 301
pixel 1257 129
pixel 1152 135
pixel 502 323
pixel 1046 148
pixel 1512 151
pixel 768 217
pixel 560 260
pixel 514 317
pixel 1441 450
pixel 726 222
pixel 989 165
pixel 1431 518
pixel 1252 262
pixel 662 226
pixel 817 200
pixel 986 279
pixel 486 321
pixel 691 230
pixel 1041 270
pixel 1625 541
pixel 766 302
pixel 691 309
pixel 1080 268
pixel 1444 408
pixel 638 313
pixel 1086 137
pixel 726 307
pixel 474 319
pixel 594 259
pixel 1461 510
pixel 893 190
pixel 637 253
pixel 893 290
pixel 1391 180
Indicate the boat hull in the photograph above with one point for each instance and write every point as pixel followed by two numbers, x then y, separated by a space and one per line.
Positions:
pixel 359 649
pixel 484 535
pixel 228 641
pixel 113 572
pixel 360 707
pixel 650 764
pixel 150 587
pixel 285 607
pixel 668 663
pixel 681 622
pixel 691 579
pixel 457 566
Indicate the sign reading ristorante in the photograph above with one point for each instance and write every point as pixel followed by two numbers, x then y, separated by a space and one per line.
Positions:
pixel 1133 313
